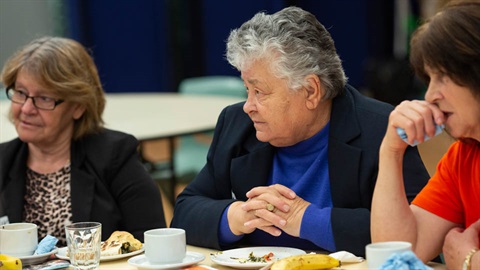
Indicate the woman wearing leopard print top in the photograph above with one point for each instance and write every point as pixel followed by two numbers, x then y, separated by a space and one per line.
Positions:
pixel 64 166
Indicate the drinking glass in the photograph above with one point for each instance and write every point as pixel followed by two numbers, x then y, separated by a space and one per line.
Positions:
pixel 83 241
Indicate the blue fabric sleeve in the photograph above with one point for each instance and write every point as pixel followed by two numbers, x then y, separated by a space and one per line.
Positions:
pixel 225 235
pixel 317 227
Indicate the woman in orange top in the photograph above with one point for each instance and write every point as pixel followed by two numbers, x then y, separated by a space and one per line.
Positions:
pixel 446 213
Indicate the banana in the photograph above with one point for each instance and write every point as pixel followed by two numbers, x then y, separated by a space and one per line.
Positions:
pixel 306 262
pixel 10 263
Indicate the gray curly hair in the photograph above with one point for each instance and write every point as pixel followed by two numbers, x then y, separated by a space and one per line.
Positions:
pixel 295 42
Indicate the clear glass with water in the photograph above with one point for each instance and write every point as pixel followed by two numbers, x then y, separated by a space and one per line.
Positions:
pixel 83 242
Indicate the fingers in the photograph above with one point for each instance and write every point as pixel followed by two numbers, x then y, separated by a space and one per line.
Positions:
pixel 266 221
pixel 276 195
pixel 266 202
pixel 270 217
pixel 261 224
pixel 417 118
pixel 475 226
pixel 437 114
pixel 277 189
pixel 271 230
pixel 237 218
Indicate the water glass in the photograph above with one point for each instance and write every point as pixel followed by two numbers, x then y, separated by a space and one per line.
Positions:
pixel 83 241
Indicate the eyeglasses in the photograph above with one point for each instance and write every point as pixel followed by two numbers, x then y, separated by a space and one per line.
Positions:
pixel 40 102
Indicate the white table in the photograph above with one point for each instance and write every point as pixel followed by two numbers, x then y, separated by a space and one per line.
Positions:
pixel 124 265
pixel 150 116
pixel 163 115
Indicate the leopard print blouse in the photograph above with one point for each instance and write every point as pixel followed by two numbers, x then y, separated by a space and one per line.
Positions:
pixel 48 202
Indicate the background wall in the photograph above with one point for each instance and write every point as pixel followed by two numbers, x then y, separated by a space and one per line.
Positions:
pixel 151 45
pixel 23 20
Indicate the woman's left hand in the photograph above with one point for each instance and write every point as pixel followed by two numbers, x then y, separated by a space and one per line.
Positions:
pixel 458 242
pixel 287 213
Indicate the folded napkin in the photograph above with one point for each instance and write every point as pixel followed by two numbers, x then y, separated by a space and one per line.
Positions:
pixel 346 257
pixel 404 261
pixel 401 132
pixel 46 245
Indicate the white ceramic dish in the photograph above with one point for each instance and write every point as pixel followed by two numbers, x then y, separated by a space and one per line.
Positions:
pixel 62 254
pixel 236 257
pixel 142 263
pixel 36 259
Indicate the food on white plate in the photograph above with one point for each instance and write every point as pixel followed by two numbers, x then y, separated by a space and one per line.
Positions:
pixel 306 262
pixel 120 242
pixel 256 259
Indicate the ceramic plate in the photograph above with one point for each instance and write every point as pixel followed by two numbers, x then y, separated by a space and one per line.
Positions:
pixel 36 259
pixel 237 258
pixel 62 254
pixel 142 263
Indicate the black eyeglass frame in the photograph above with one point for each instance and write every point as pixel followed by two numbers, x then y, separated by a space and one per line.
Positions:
pixel 56 101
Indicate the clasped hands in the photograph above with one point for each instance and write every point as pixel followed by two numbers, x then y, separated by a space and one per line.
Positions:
pixel 272 209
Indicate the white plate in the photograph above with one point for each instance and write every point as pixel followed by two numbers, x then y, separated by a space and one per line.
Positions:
pixel 141 262
pixel 62 254
pixel 36 259
pixel 230 257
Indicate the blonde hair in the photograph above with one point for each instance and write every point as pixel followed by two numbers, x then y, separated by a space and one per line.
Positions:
pixel 66 69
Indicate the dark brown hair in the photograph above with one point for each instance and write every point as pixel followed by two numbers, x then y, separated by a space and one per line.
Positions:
pixel 449 43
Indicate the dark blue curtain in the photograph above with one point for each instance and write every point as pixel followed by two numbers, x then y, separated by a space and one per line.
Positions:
pixel 151 45
pixel 128 40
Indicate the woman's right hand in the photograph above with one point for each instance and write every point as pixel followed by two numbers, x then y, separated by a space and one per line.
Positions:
pixel 417 118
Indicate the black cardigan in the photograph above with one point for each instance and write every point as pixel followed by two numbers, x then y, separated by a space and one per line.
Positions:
pixel 108 184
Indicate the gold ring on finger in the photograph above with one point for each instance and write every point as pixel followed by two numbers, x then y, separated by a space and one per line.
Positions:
pixel 270 207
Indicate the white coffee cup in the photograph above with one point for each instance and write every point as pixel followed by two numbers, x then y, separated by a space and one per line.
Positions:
pixel 378 253
pixel 165 245
pixel 18 239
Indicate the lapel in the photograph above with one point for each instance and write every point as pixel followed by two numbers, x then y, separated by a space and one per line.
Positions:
pixel 15 185
pixel 344 158
pixel 82 184
pixel 252 169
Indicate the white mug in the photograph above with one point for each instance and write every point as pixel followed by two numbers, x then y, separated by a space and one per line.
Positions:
pixel 165 245
pixel 378 253
pixel 18 239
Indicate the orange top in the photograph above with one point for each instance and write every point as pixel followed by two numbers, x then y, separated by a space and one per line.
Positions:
pixel 453 192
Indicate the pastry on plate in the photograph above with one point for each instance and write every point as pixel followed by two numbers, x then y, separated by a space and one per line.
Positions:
pixel 120 242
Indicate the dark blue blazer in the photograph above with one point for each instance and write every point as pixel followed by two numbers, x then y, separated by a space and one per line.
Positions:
pixel 237 162
pixel 108 184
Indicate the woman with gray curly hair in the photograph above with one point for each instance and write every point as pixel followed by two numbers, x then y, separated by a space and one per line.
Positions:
pixel 294 165
pixel 65 167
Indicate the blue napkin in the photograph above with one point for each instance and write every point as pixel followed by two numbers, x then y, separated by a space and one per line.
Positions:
pixel 401 132
pixel 46 245
pixel 404 261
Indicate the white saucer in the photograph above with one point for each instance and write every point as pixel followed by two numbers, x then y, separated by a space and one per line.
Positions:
pixel 62 254
pixel 236 258
pixel 36 259
pixel 141 262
